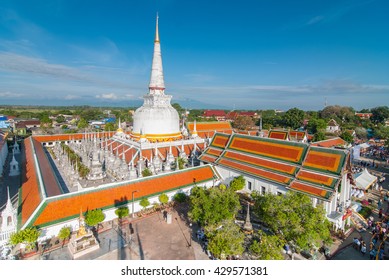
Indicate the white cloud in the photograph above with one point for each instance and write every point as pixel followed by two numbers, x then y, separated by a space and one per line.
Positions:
pixel 24 64
pixel 72 97
pixel 315 20
pixel 8 94
pixel 107 96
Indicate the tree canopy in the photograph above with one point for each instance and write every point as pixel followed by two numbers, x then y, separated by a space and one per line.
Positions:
pixel 346 136
pixel 144 202
pixel 225 240
pixel 94 217
pixel 293 218
pixel 380 114
pixel 238 183
pixel 266 247
pixel 163 198
pixel 293 118
pixel 211 206
pixel 122 212
pixel 64 233
pixel 243 122
pixel 28 235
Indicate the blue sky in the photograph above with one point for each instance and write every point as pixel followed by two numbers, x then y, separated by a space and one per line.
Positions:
pixel 247 54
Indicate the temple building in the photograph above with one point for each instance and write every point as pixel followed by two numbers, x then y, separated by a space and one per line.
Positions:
pixel 277 166
pixel 62 174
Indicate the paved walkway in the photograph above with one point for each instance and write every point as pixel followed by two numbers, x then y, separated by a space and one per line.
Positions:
pixel 148 238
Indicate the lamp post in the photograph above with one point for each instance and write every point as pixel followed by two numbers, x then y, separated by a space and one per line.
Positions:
pixel 132 194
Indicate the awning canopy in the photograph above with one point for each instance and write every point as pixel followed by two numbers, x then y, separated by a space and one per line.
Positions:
pixel 364 179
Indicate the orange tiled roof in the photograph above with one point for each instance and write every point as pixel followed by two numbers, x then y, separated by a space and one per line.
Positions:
pixel 255 171
pixel 208 158
pixel 282 135
pixel 298 135
pixel 209 126
pixel 285 151
pixel 305 188
pixel 317 179
pixel 66 137
pixel 30 192
pixel 264 163
pixel 333 142
pixel 214 152
pixel 220 140
pixel 327 160
pixel 68 206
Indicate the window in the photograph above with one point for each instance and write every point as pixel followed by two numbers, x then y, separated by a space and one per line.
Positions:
pixel 9 220
pixel 263 190
pixel 249 185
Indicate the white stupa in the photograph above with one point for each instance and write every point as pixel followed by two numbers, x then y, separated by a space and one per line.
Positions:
pixel 14 167
pixel 156 120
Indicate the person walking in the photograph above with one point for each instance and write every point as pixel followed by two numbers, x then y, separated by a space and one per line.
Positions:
pixel 363 248
pixel 373 254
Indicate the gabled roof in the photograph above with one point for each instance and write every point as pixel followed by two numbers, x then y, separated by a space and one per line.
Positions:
pixel 297 166
pixel 325 160
pixel 271 148
pixel 214 113
pixel 332 122
pixel 207 129
pixel 30 195
pixel 276 134
pixel 295 135
pixel 328 143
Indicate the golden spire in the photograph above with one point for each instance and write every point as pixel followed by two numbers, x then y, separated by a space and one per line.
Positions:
pixel 156 31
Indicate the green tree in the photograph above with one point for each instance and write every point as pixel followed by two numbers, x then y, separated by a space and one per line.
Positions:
pixel 181 163
pixel 381 131
pixel 225 239
pixel 361 132
pixel 146 172
pixel 28 235
pixel 16 238
pixel 211 206
pixel 318 136
pixel 238 183
pixel 46 121
pixel 110 127
pixel 266 247
pixel 180 197
pixel 316 125
pixel 122 212
pixel 64 233
pixel 144 203
pixel 380 114
pixel 243 122
pixel 60 119
pixel 346 136
pixel 82 123
pixel 293 118
pixel 94 217
pixel 163 198
pixel 293 218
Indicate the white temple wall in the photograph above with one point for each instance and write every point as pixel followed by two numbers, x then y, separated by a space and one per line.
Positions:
pixel 53 230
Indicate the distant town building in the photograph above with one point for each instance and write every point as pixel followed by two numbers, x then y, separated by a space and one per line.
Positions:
pixel 364 116
pixel 332 126
pixel 219 115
